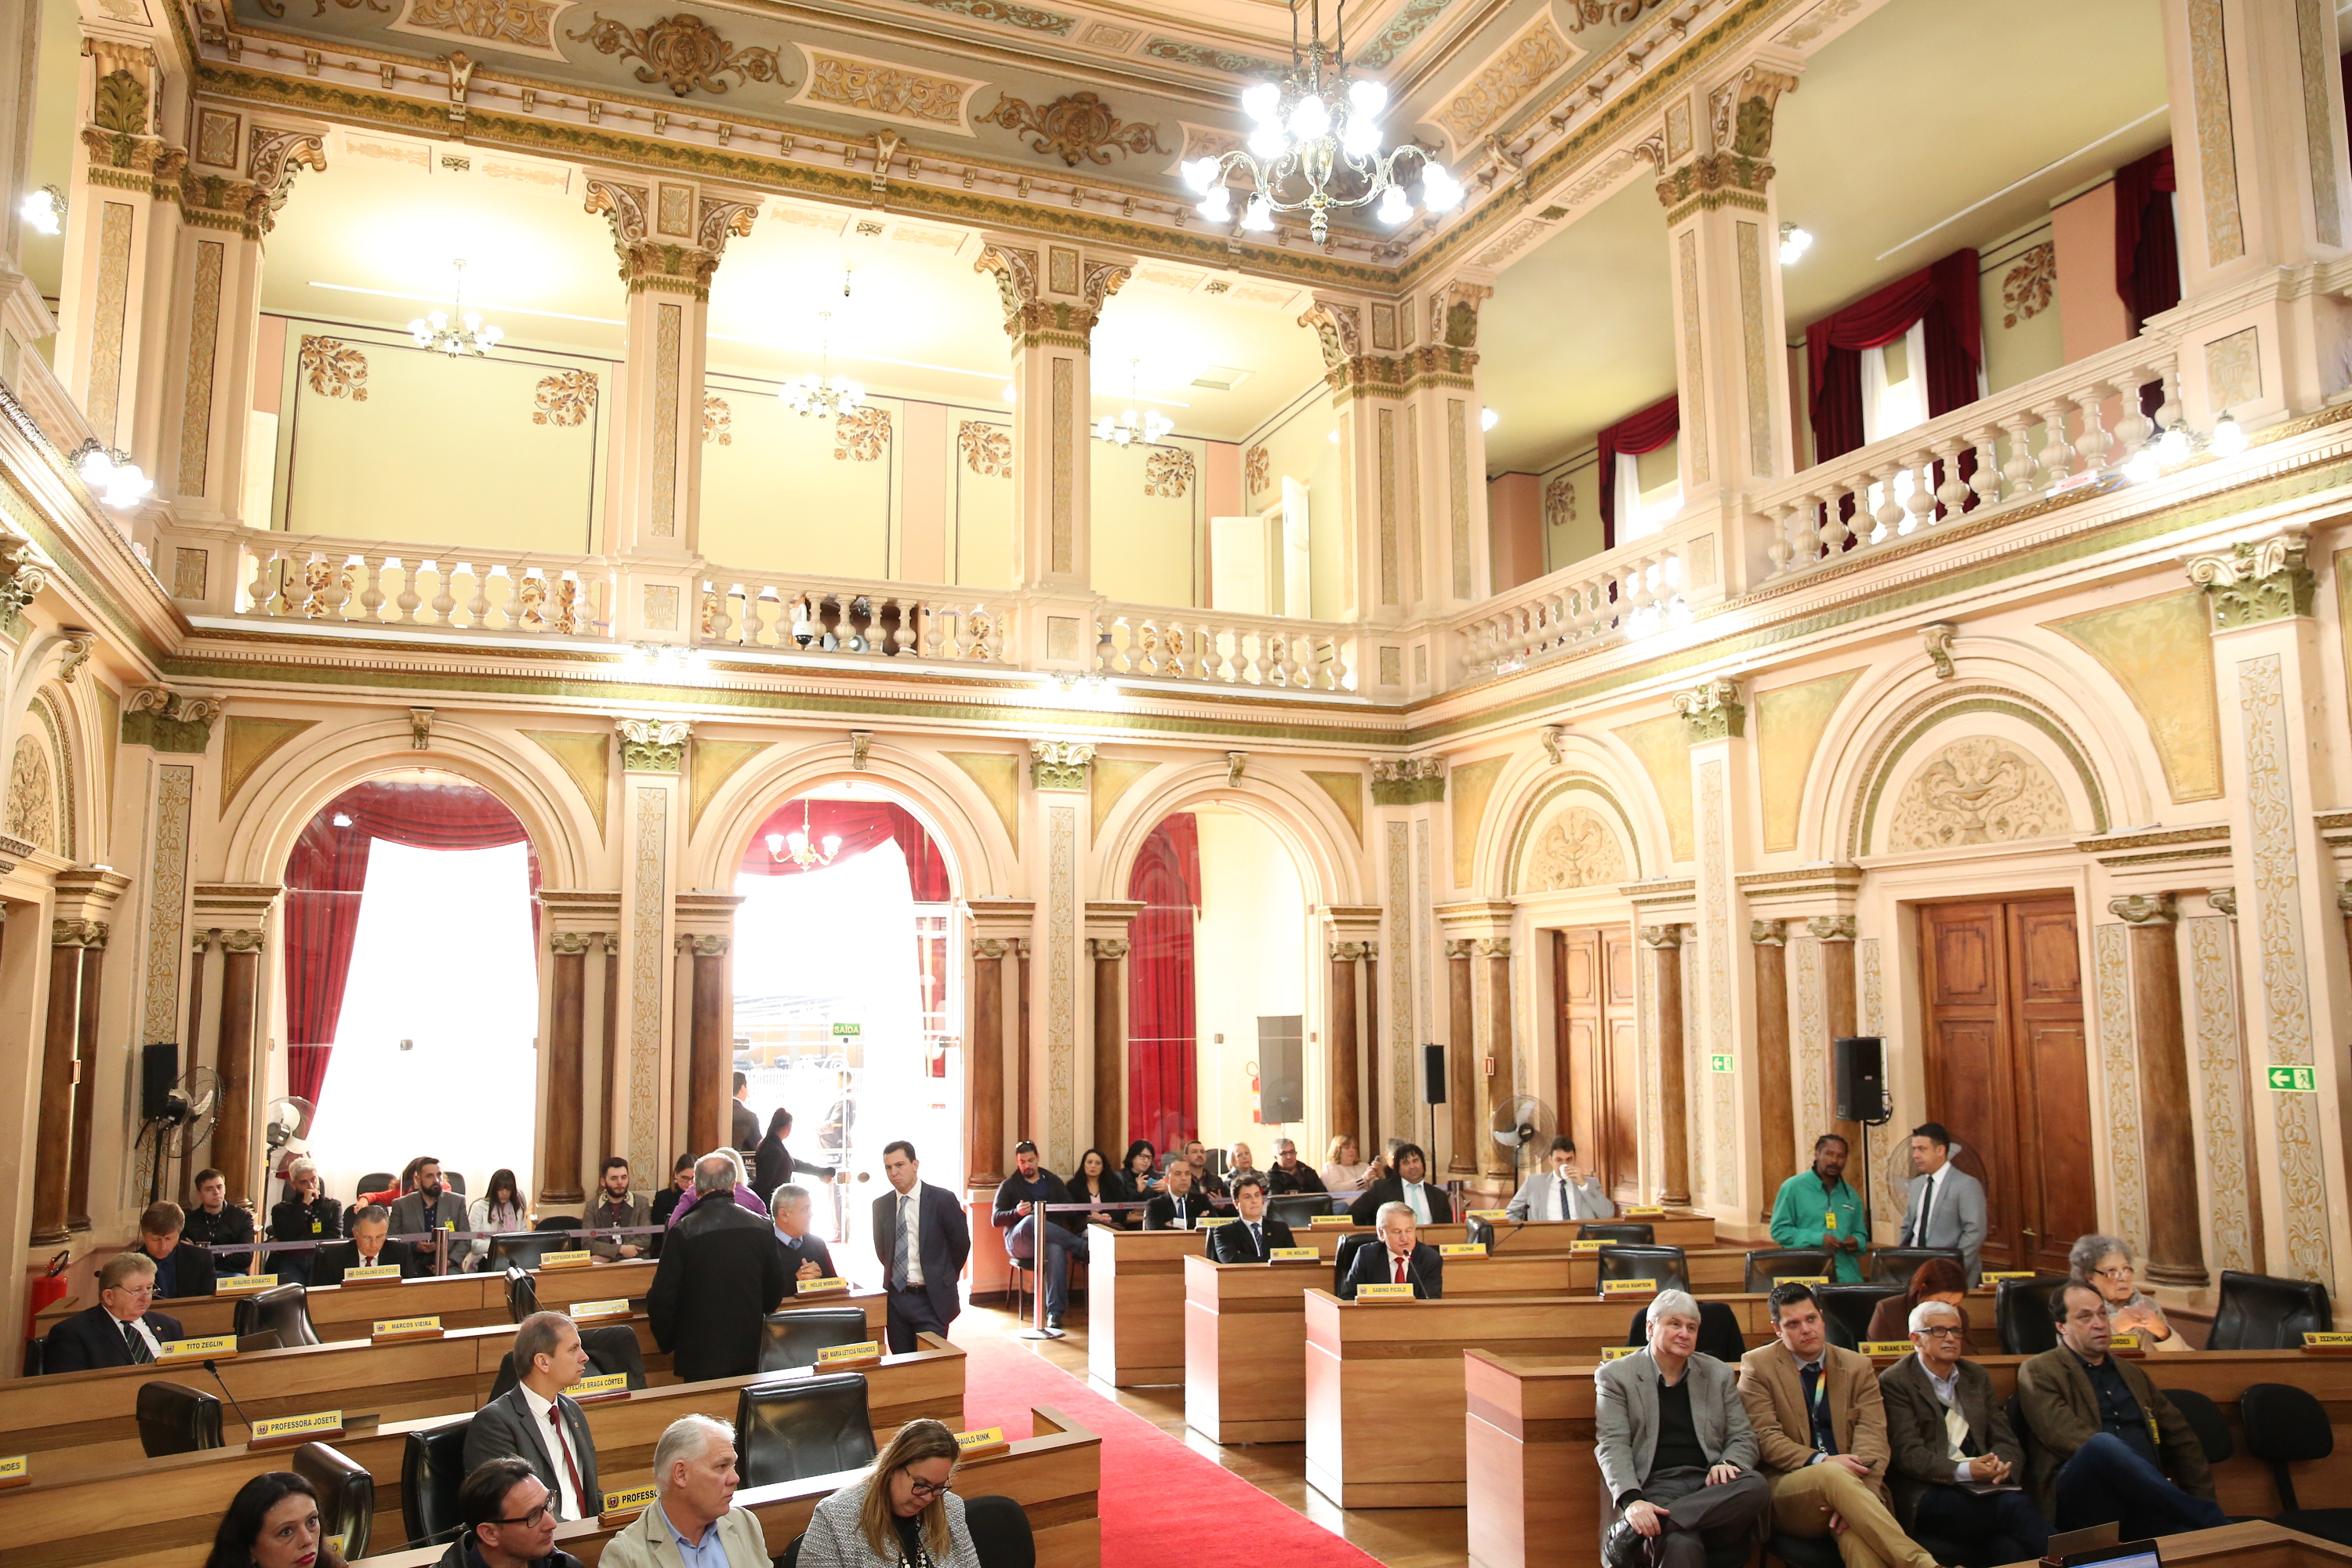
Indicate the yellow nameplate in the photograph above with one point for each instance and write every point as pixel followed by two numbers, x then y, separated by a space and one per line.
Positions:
pixel 271 1432
pixel 1629 1286
pixel 244 1284
pixel 13 1472
pixel 616 1307
pixel 405 1328
pixel 1591 1244
pixel 567 1260
pixel 196 1350
pixel 987 1440
pixel 1619 1352
pixel 369 1273
pixel 864 1353
pixel 609 1386
pixel 1331 1222
pixel 1886 1347
pixel 2124 1343
pixel 1388 1292
pixel 1463 1249
pixel 1211 1221
pixel 623 1506
pixel 1800 1279
pixel 1995 1276
pixel 2328 1345
pixel 826 1286
pixel 1644 1211
pixel 1485 1214
pixel 1294 1255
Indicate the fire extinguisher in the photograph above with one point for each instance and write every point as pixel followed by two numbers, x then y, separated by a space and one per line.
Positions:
pixel 48 1290
pixel 1257 1112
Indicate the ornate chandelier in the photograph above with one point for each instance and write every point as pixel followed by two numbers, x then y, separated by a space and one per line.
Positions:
pixel 824 393
pixel 796 846
pixel 1318 144
pixel 1128 429
pixel 468 337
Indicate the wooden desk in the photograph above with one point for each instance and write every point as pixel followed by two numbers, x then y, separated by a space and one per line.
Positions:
pixel 1054 1476
pixel 1533 1478
pixel 170 1507
pixel 1682 1229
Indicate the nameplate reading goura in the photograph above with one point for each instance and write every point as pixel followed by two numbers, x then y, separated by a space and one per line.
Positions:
pixel 987 1440
pixel 211 1346
pixel 405 1328
pixel 1629 1286
pixel 1389 1292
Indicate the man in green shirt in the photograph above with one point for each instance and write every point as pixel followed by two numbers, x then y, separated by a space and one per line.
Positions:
pixel 1816 1208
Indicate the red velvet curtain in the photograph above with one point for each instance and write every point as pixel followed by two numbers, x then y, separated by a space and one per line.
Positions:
pixel 326 875
pixel 1645 432
pixel 1162 1081
pixel 1942 294
pixel 861 825
pixel 2148 254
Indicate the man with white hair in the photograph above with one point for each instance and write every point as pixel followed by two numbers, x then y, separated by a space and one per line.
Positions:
pixel 806 1257
pixel 1949 1438
pixel 693 1523
pixel 1677 1451
pixel 1400 1258
pixel 721 1273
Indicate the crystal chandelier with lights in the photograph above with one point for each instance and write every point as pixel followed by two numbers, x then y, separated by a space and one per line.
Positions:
pixel 1128 429
pixel 1316 145
pixel 112 475
pixel 824 393
pixel 797 848
pixel 470 336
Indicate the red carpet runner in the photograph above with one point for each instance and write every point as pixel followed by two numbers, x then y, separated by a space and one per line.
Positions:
pixel 1158 1499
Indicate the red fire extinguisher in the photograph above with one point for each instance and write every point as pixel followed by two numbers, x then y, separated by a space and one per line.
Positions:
pixel 48 1290
pixel 1257 1112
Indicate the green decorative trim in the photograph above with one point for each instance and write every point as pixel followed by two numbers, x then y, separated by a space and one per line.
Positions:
pixel 2007 702
pixel 653 745
pixel 144 727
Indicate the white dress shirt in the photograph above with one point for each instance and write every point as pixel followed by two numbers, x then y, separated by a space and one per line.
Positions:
pixel 567 1496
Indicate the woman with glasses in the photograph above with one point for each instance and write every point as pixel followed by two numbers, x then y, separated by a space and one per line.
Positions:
pixel 2105 1264
pixel 901 1515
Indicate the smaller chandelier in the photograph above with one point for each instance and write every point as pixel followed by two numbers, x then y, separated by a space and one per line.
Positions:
pixel 824 393
pixel 112 475
pixel 797 848
pixel 44 210
pixel 470 336
pixel 1129 428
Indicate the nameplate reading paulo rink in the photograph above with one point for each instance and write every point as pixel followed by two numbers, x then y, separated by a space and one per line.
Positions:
pixel 840 1358
pixel 621 1506
pixel 385 1331
pixel 614 1307
pixel 1294 1255
pixel 285 1431
pixel 2327 1344
pixel 976 1445
pixel 1629 1286
pixel 592 1390
pixel 831 1285
pixel 1388 1292
pixel 211 1347
pixel 373 1274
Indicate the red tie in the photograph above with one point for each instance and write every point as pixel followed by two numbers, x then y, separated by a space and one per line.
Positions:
pixel 555 1419
pixel 1400 1278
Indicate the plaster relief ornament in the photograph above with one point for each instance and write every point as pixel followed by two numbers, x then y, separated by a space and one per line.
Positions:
pixel 1977 790
pixel 1080 126
pixel 683 52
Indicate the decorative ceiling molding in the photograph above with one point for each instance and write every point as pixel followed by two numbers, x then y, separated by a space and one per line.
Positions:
pixel 511 26
pixel 683 52
pixel 883 90
pixel 1080 126
pixel 1029 19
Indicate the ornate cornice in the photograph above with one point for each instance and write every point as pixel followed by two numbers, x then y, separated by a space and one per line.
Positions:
pixel 1060 764
pixel 1713 712
pixel 2254 581
pixel 1408 781
pixel 163 720
pixel 653 745
pixel 2146 909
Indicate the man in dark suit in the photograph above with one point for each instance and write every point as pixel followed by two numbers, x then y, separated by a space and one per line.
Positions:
pixel 806 1257
pixel 1179 1207
pixel 1933 1475
pixel 1429 1205
pixel 181 1267
pixel 120 1331
pixel 721 1274
pixel 922 1239
pixel 1400 1258
pixel 432 1208
pixel 535 1423
pixel 747 1121
pixel 367 1249
pixel 1252 1238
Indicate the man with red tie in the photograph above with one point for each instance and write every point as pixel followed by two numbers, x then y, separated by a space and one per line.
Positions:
pixel 1400 1258
pixel 536 1423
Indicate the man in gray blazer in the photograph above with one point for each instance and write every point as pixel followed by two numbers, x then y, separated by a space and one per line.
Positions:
pixel 1947 1206
pixel 1677 1451
pixel 1556 1193
pixel 430 1207
pixel 535 1423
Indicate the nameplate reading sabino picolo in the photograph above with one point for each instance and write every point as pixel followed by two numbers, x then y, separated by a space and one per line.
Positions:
pixel 1388 1292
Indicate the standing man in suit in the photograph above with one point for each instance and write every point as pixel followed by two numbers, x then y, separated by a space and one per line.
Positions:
pixel 1676 1452
pixel 721 1274
pixel 1947 1206
pixel 429 1208
pixel 120 1331
pixel 1819 1208
pixel 534 1422
pixel 1252 1238
pixel 1938 1469
pixel 615 1209
pixel 369 1247
pixel 747 1121
pixel 1429 1205
pixel 1179 1207
pixel 1017 1213
pixel 804 1255
pixel 181 1269
pixel 920 1234
pixel 1557 1192
pixel 1820 1436
pixel 1400 1258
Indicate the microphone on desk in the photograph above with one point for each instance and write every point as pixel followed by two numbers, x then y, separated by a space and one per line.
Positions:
pixel 214 1367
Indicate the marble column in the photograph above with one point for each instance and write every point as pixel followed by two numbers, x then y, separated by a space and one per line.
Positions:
pixel 559 1181
pixel 1663 944
pixel 984 1061
pixel 1349 935
pixel 85 1066
pixel 710 1056
pixel 1022 1045
pixel 1722 781
pixel 608 1074
pixel 2176 1254
pixel 1837 935
pixel 1461 1061
pixel 1775 1086
pixel 649 1122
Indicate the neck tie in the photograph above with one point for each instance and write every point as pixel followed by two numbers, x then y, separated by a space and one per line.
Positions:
pixel 1812 1377
pixel 1258 1242
pixel 1565 1212
pixel 555 1420
pixel 1927 1206
pixel 139 1355
pixel 1400 1272
pixel 899 1249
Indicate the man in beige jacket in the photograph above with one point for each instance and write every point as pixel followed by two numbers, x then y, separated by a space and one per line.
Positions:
pixel 693 1523
pixel 1820 1436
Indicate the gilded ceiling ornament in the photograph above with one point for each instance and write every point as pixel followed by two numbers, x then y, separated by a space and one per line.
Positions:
pixel 1583 14
pixel 1559 500
pixel 526 23
pixel 1078 126
pixel 717 422
pixel 683 51
pixel 1257 469
pixel 2026 289
pixel 1028 18
pixel 274 158
pixel 1576 850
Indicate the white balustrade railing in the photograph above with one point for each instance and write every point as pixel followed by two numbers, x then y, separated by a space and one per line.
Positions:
pixel 795 613
pixel 1639 587
pixel 1225 649
pixel 307 577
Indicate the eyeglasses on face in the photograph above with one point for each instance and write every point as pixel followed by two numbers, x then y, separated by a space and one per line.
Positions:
pixel 2123 1271
pixel 533 1517
pixel 1941 1331
pixel 927 1490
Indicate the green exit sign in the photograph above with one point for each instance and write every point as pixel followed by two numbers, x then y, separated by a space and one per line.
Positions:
pixel 2295 1081
pixel 1721 1062
pixel 848 1030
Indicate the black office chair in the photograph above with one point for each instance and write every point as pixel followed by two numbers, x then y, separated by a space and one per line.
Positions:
pixel 522 1295
pixel 1000 1537
pixel 561 1222
pixel 346 1495
pixel 432 1468
pixel 283 1310
pixel 176 1419
pixel 2205 1417
pixel 1718 1331
pixel 1804 1550
pixel 1666 1265
pixel 2285 1426
pixel 374 1182
pixel 2264 1312
pixel 1895 1265
pixel 1639 1234
pixel 2015 1410
pixel 788 1340
pixel 1344 1257
pixel 2020 1314
pixel 1298 1210
pixel 1848 1309
pixel 791 1431
pixel 519 1249
pixel 455 1181
pixel 614 1347
pixel 1769 1265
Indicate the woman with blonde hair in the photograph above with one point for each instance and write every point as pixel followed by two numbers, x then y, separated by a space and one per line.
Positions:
pixel 900 1515
pixel 1342 1171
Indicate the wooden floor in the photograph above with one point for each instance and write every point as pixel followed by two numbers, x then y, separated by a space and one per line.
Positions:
pixel 1401 1537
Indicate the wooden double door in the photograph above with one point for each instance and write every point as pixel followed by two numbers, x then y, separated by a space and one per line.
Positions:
pixel 2008 1068
pixel 1597 1091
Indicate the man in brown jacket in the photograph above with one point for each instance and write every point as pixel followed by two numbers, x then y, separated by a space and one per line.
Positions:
pixel 2106 1439
pixel 1820 1436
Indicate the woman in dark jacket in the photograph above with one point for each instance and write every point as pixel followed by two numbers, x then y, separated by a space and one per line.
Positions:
pixel 773 1164
pixel 1095 1182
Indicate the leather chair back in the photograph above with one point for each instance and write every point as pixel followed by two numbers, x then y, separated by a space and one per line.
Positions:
pixel 283 1310
pixel 1895 1265
pixel 614 1348
pixel 2264 1312
pixel 346 1495
pixel 373 1181
pixel 522 1295
pixel 2284 1426
pixel 1298 1210
pixel 792 1431
pixel 1000 1537
pixel 1666 1265
pixel 1344 1257
pixel 432 1468
pixel 788 1340
pixel 1718 1331
pixel 36 1356
pixel 1640 1233
pixel 1768 1264
pixel 455 1181
pixel 519 1249
pixel 2020 1314
pixel 1847 1309
pixel 503 1384
pixel 2213 1431
pixel 176 1419
pixel 560 1222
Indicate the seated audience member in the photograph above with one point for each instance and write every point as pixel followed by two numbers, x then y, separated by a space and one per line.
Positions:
pixel 273 1522
pixel 1252 1238
pixel 1429 1204
pixel 1206 1181
pixel 433 1207
pixel 745 1198
pixel 615 1209
pixel 1179 1207
pixel 390 1194
pixel 2094 1460
pixel 806 1257
pixel 367 1249
pixel 1016 1214
pixel 305 1214
pixel 774 1165
pixel 1287 1174
pixel 1676 1453
pixel 500 1210
pixel 1342 1171
pixel 535 1423
pixel 120 1331
pixel 507 1517
pixel 1819 1208
pixel 1239 1162
pixel 721 1272
pixel 181 1267
pixel 899 1512
pixel 1400 1258
pixel 1141 1171
pixel 2105 1264
pixel 1557 1192
pixel 1949 1441
pixel 693 1522
pixel 1820 1436
pixel 1094 1182
pixel 216 1222
pixel 681 1185
pixel 1938 1280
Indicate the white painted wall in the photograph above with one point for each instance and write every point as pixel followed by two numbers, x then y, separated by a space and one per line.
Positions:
pixel 1250 958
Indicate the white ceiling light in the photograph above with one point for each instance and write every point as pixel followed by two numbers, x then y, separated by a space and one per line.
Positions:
pixel 112 475
pixel 468 337
pixel 824 393
pixel 45 209
pixel 1127 429
pixel 1010 392
pixel 1794 243
pixel 1488 419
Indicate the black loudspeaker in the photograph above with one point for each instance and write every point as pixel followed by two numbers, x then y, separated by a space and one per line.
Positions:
pixel 1281 1091
pixel 1432 1075
pixel 1861 1075
pixel 159 1069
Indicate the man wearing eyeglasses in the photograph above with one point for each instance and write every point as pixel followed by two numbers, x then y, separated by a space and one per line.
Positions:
pixel 1957 1467
pixel 509 1518
pixel 120 1331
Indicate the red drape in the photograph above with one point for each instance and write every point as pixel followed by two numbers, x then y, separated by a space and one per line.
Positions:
pixel 861 825
pixel 1162 1102
pixel 1645 432
pixel 1942 294
pixel 2147 255
pixel 326 875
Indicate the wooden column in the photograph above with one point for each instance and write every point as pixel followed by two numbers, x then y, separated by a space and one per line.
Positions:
pixel 53 1140
pixel 1775 1086
pixel 1371 1105
pixel 1835 933
pixel 558 1179
pixel 1110 1040
pixel 232 1151
pixel 1346 1039
pixel 1460 1059
pixel 1021 1038
pixel 984 1061
pixel 1501 1046
pixel 709 1053
pixel 200 946
pixel 85 1102
pixel 609 1068
pixel 1665 945
pixel 2176 1250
